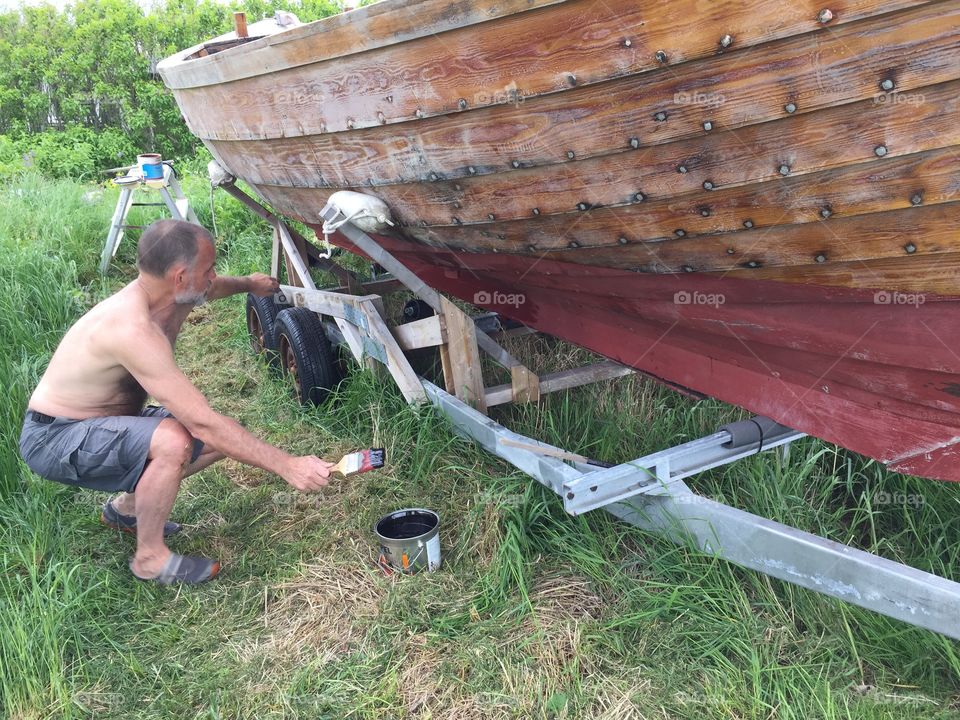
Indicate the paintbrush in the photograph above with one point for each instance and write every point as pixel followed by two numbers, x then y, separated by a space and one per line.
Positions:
pixel 361 461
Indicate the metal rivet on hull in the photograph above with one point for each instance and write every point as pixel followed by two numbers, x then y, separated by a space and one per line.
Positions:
pixel 472 170
pixel 825 16
pixel 726 41
pixel 634 143
pixel 887 84
pixel 582 206
pixel 491 216
pixel 571 154
pixel 916 199
pixel 622 240
pixel 790 107
pixel 660 116
pixel 639 197
pixel 661 56
pixel 515 164
pixel 708 185
pixel 536 211
pixel 571 80
pixel 627 42
pixel 748 224
pixel 681 169
pixel 705 211
pixel 461 103
pixel 679 232
pixel 784 169
pixel 910 248
pixel 880 150
pixel 707 125
pixel 821 258
pixel 574 244
pixel 826 212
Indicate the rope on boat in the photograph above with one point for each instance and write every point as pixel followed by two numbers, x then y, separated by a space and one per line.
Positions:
pixel 330 227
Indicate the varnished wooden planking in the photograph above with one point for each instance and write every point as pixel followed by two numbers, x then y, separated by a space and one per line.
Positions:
pixel 914 48
pixel 937 274
pixel 615 234
pixel 929 229
pixel 850 248
pixel 469 66
pixel 672 199
pixel 364 29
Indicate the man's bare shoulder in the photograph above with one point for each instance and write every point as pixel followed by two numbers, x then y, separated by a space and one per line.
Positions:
pixel 122 320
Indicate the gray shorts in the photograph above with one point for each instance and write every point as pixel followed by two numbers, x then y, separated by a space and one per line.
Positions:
pixel 100 453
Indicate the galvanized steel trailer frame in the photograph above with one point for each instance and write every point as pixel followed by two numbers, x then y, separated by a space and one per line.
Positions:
pixel 647 492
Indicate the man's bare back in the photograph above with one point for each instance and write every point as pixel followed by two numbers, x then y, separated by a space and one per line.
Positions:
pixel 84 378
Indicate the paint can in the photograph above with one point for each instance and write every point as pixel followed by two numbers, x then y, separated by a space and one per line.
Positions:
pixel 409 540
pixel 151 166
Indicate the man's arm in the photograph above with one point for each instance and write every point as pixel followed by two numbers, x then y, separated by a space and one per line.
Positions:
pixel 259 284
pixel 146 353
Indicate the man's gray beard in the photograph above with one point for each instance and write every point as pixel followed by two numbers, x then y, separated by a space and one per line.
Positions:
pixel 195 299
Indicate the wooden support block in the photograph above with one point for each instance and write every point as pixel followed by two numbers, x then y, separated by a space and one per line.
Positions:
pixel 376 287
pixel 461 357
pixel 275 254
pixel 427 332
pixel 563 380
pixel 525 385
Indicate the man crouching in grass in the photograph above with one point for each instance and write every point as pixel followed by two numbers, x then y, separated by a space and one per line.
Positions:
pixel 86 424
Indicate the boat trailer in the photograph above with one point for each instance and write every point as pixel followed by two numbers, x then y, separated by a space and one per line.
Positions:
pixel 647 492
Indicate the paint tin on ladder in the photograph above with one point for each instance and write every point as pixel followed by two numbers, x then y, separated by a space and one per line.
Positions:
pixel 151 166
pixel 409 539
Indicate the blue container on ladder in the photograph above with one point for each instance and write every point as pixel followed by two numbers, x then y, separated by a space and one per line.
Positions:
pixel 151 166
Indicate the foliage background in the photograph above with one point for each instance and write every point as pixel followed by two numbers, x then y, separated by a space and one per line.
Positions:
pixel 79 92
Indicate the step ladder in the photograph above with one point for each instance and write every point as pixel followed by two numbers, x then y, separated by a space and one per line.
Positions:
pixel 170 193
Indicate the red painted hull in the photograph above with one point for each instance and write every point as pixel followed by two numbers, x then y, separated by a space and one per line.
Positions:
pixel 879 375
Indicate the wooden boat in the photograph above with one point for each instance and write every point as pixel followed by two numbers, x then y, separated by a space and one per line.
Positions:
pixel 756 201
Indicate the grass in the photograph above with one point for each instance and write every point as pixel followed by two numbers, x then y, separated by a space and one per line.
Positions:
pixel 535 615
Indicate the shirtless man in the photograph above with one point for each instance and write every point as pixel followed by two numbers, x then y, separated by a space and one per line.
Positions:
pixel 86 424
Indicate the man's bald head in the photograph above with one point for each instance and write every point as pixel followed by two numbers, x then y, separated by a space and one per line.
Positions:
pixel 167 243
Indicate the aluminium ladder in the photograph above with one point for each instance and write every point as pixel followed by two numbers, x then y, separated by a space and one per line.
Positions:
pixel 170 193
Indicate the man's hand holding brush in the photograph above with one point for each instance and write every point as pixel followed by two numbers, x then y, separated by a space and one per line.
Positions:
pixel 309 473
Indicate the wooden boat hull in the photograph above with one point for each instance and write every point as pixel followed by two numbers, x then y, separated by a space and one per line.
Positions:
pixel 757 202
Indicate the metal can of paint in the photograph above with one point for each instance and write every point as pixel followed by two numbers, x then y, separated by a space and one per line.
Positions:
pixel 409 539
pixel 151 166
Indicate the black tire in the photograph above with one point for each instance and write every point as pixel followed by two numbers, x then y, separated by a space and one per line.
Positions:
pixel 415 309
pixel 261 324
pixel 306 354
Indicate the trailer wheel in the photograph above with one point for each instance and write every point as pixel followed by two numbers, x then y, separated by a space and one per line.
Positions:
pixel 261 324
pixel 306 354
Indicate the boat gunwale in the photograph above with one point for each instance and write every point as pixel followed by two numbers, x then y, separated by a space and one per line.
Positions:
pixel 180 71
